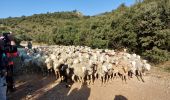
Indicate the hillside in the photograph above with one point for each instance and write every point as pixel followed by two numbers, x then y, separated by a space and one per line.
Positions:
pixel 143 28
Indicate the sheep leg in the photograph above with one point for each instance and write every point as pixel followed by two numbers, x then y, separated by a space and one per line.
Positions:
pixel 112 77
pixel 125 79
pixel 88 77
pixel 129 75
pixel 88 80
pixel 56 74
pixel 102 80
pixel 137 75
pixel 116 75
pixel 141 77
pixel 107 78
pixel 91 79
pixel 95 75
pixel 73 78
pixel 62 78
pixel 122 77
pixel 82 81
pixel 79 79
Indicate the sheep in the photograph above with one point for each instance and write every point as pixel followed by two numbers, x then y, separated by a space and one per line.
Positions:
pixel 101 72
pixel 66 74
pixel 27 63
pixel 141 70
pixel 49 65
pixel 138 66
pixel 146 65
pixel 115 69
pixel 91 70
pixel 38 62
pixel 109 74
pixel 79 71
pixel 57 66
pixel 84 62
pixel 123 68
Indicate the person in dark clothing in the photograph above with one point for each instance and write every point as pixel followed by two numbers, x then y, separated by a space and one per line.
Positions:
pixel 3 71
pixel 29 45
pixel 10 50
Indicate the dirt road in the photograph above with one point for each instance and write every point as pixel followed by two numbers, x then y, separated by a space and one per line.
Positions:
pixel 36 87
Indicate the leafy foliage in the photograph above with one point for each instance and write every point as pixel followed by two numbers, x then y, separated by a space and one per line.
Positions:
pixel 143 28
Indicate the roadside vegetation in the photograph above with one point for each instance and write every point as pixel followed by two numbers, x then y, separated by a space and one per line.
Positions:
pixel 143 28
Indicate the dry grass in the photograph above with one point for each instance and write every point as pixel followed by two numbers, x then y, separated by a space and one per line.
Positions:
pixel 164 66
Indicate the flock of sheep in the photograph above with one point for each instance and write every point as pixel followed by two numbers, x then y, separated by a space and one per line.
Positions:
pixel 81 63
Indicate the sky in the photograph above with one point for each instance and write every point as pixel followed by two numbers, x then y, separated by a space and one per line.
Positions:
pixel 17 8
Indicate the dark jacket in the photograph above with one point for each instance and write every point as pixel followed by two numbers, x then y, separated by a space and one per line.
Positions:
pixel 11 52
pixel 3 62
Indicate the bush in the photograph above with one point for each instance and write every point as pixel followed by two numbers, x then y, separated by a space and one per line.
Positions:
pixel 156 55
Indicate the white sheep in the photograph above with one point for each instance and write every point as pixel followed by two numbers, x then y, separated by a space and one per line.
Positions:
pixel 88 62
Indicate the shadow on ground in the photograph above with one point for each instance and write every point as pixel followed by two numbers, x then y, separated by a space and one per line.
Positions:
pixel 120 97
pixel 60 92
pixel 36 87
